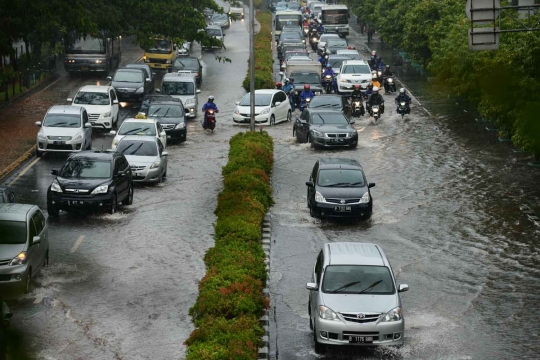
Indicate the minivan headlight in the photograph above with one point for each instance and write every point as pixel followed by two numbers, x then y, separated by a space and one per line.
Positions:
pixel 102 189
pixel 140 90
pixel 317 133
pixel 41 136
pixel 180 126
pixel 20 259
pixel 327 313
pixel 392 315
pixel 319 197
pixel 105 115
pixel 365 199
pixel 55 186
pixel 78 136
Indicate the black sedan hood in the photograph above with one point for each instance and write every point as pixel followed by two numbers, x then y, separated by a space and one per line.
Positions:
pixel 334 128
pixel 81 184
pixel 170 120
pixel 342 192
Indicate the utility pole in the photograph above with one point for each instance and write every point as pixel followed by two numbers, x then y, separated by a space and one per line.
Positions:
pixel 252 65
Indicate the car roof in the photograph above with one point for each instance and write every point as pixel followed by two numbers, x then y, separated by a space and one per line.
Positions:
pixel 339 163
pixel 348 51
pixel 355 62
pixel 14 212
pixel 95 88
pixel 129 69
pixel 139 138
pixel 138 120
pixel 330 35
pixel 338 57
pixel 65 109
pixel 266 91
pixel 351 253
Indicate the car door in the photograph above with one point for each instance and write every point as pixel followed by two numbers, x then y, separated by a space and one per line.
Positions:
pixel 114 104
pixel 121 182
pixel 34 251
pixel 162 135
pixel 285 106
pixel 41 231
pixel 87 131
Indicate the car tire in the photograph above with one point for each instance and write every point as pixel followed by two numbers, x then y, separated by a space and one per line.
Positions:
pixel 294 132
pixel 310 319
pixel 52 210
pixel 355 145
pixel 165 173
pixel 310 141
pixel 319 348
pixel 272 120
pixel 114 205
pixel 28 282
pixel 89 146
pixel 289 115
pixel 160 179
pixel 312 212
pixel 129 198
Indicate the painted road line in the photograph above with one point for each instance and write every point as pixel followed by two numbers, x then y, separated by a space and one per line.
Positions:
pixel 77 244
pixel 24 171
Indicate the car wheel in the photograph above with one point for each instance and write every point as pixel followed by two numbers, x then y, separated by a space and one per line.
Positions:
pixel 355 145
pixel 28 282
pixel 38 153
pixel 129 198
pixel 289 115
pixel 272 120
pixel 319 348
pixel 89 146
pixel 165 173
pixel 160 179
pixel 114 204
pixel 52 210
pixel 312 212
pixel 310 141
pixel 310 319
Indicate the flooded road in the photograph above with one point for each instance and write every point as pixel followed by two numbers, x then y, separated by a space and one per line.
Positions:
pixel 447 214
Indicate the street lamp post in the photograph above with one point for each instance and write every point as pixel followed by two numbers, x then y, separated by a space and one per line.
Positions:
pixel 252 65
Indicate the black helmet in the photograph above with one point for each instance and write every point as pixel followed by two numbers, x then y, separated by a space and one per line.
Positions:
pixel 211 98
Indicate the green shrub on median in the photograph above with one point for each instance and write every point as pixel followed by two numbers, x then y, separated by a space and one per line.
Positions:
pixel 264 60
pixel 230 301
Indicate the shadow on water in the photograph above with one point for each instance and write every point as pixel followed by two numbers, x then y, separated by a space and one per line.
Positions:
pixel 17 346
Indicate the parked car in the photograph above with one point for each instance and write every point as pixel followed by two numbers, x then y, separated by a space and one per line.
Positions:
pixel 271 106
pixel 101 104
pixel 146 157
pixel 338 188
pixel 24 245
pixel 64 128
pixel 91 180
pixel 148 73
pixel 131 84
pixel 353 72
pixel 139 127
pixel 171 115
pixel 6 194
pixel 354 298
pixel 191 64
pixel 325 128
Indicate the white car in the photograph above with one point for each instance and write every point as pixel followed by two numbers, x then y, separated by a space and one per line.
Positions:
pixel 271 107
pixel 322 42
pixel 353 72
pixel 353 54
pixel 140 127
pixel 100 102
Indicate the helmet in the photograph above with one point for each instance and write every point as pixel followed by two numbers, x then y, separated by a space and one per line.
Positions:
pixel 402 91
pixel 285 81
pixel 387 66
pixel 211 98
pixel 278 85
pixel 307 87
pixel 375 89
pixel 291 79
pixel 373 53
pixel 328 66
pixel 357 87
pixel 374 76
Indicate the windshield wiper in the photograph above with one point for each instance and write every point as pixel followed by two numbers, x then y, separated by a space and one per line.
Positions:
pixel 135 130
pixel 345 286
pixel 166 112
pixel 338 184
pixel 137 149
pixel 73 123
pixel 56 125
pixel 155 112
pixel 127 147
pixel 370 287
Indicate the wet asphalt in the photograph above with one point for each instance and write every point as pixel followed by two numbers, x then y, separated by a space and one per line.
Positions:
pixel 446 212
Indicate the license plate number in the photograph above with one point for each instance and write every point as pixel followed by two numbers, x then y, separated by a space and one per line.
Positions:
pixel 342 209
pixel 84 68
pixel 75 202
pixel 59 142
pixel 360 339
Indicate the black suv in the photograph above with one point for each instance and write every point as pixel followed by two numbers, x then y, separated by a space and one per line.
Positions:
pixel 338 187
pixel 171 116
pixel 91 180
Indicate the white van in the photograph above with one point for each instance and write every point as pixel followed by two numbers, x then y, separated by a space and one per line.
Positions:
pixel 182 85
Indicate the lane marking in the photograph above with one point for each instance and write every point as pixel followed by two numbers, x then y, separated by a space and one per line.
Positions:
pixel 77 244
pixel 48 86
pixel 24 171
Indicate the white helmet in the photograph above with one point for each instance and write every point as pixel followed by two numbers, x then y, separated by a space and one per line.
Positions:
pixel 402 91
pixel 375 88
pixel 373 53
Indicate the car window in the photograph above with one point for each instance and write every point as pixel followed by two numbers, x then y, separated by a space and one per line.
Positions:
pixel 113 95
pixel 178 88
pixel 160 146
pixel 329 118
pixel 129 76
pixel 356 69
pixel 341 177
pixel 359 278
pixel 11 197
pixel 39 219
pixel 314 171
pixel 166 111
pixel 318 267
pixel 32 230
pixel 13 232
pixel 86 169
pixel 61 120
pixel 37 224
pixel 137 128
pixel 92 98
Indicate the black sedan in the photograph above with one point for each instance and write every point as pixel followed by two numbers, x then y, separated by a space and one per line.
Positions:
pixel 325 128
pixel 171 116
pixel 329 102
pixel 189 64
pixel 338 188
pixel 131 84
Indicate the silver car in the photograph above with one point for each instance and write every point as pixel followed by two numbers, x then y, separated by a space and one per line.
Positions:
pixel 65 128
pixel 24 245
pixel 353 298
pixel 146 156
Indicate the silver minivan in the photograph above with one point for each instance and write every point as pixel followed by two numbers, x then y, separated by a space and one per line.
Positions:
pixel 182 85
pixel 353 297
pixel 24 245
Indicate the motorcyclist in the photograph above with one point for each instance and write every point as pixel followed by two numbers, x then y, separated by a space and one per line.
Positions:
pixel 306 94
pixel 369 90
pixel 357 95
pixel 372 59
pixel 375 99
pixel 386 74
pixel 375 80
pixel 379 63
pixel 289 90
pixel 320 27
pixel 312 25
pixel 329 71
pixel 404 97
pixel 279 86
pixel 209 106
pixel 322 59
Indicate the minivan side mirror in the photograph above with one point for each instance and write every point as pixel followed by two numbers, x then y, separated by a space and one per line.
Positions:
pixel 109 78
pixel 112 132
pixel 198 91
pixel 69 99
pixel 403 287
pixel 278 103
pixel 238 103
pixel 309 184
pixel 163 133
pixel 37 123
pixel 164 153
pixel 370 185
pixel 54 172
pixel 88 125
pixel 312 286
pixel 115 102
pixel 352 122
pixel 148 80
pixel 36 240
pixel 157 90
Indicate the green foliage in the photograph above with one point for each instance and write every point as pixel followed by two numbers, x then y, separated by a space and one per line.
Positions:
pixel 264 60
pixel 230 299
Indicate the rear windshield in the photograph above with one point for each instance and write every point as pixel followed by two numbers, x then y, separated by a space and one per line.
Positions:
pixel 356 279
pixel 139 148
pixel 138 128
pixel 86 169
pixel 12 232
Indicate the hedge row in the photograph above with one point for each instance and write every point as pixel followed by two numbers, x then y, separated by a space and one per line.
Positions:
pixel 230 301
pixel 264 61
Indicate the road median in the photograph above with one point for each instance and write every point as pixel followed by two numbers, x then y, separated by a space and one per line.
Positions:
pixel 231 300
pixel 264 60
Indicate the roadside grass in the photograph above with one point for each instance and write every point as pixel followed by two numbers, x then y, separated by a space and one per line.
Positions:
pixel 230 301
pixel 264 60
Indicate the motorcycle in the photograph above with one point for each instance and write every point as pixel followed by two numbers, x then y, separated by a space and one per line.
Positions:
pixel 313 39
pixel 357 108
pixel 5 318
pixel 304 104
pixel 210 120
pixel 374 111
pixel 403 109
pixel 389 85
pixel 328 83
pixel 380 76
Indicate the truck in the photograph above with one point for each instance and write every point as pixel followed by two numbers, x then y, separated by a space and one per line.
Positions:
pixel 335 19
pixel 161 54
pixel 303 72
pixel 92 53
pixel 237 10
pixel 286 18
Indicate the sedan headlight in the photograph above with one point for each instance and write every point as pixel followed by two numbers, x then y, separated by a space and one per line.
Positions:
pixel 237 112
pixel 319 197
pixel 392 315
pixel 190 101
pixel 41 136
pixel 140 90
pixel 106 115
pixel 79 136
pixel 365 199
pixel 180 126
pixel 345 81
pixel 55 186
pixel 265 111
pixel 155 165
pixel 327 313
pixel 317 133
pixel 20 259
pixel 102 189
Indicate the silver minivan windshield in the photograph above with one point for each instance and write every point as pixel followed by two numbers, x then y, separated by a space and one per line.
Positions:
pixel 358 279
pixel 12 232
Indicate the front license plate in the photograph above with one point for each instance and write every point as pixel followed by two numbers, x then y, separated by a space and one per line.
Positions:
pixel 84 68
pixel 342 209
pixel 59 142
pixel 169 136
pixel 360 339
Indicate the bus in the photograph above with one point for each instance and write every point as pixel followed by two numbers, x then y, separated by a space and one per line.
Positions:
pixel 91 53
pixel 161 54
pixel 286 18
pixel 335 19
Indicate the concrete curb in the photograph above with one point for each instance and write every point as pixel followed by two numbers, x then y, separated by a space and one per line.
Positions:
pixel 31 91
pixel 17 163
pixel 264 352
